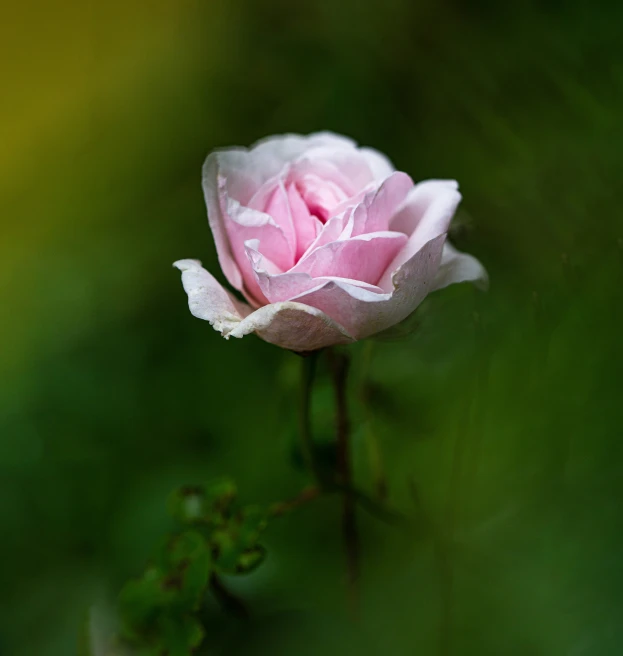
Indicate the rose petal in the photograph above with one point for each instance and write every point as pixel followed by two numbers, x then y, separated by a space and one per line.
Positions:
pixel 217 222
pixel 416 203
pixel 244 224
pixel 379 164
pixel 374 212
pixel 279 287
pixel 332 230
pixel 208 300
pixel 290 325
pixel 246 170
pixel 364 257
pixel 459 267
pixel 306 227
pixel 321 196
pixel 293 326
pixel 345 167
pixel 364 313
pixel 430 209
pixel 278 207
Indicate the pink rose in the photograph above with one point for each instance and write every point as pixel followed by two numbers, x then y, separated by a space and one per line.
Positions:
pixel 325 240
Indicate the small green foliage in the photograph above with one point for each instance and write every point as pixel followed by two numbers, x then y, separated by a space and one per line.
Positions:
pixel 199 504
pixel 158 611
pixel 236 549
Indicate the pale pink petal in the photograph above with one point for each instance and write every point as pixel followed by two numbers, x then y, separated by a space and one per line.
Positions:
pixel 320 195
pixel 364 257
pixel 244 224
pixel 246 170
pixel 279 208
pixel 306 227
pixel 373 214
pixel 430 218
pixel 379 164
pixel 260 199
pixel 331 231
pixel 293 326
pixel 459 267
pixel 288 147
pixel 416 203
pixel 353 168
pixel 208 300
pixel 310 173
pixel 364 313
pixel 210 182
pixel 355 200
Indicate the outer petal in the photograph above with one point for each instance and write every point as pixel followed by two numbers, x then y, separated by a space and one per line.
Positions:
pixel 417 202
pixel 378 207
pixel 430 208
pixel 364 313
pixel 293 326
pixel 290 325
pixel 210 183
pixel 380 165
pixel 246 170
pixel 208 300
pixel 459 267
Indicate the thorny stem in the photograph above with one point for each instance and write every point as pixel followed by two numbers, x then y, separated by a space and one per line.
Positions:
pixel 339 365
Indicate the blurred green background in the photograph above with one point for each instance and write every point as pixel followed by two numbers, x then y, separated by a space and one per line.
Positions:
pixel 503 409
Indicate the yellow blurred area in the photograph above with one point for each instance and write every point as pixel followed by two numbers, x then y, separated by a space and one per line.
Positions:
pixel 65 59
pixel 84 86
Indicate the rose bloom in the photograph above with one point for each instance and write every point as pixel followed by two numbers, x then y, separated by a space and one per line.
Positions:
pixel 325 240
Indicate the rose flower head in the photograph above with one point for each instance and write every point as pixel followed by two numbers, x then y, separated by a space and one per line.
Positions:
pixel 326 241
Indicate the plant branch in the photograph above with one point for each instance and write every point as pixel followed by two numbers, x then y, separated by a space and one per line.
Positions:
pixel 305 496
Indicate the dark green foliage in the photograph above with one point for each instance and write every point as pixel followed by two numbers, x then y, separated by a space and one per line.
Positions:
pixel 160 612
pixel 112 394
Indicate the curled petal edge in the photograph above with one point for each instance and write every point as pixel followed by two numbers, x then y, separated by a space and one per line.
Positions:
pixel 290 325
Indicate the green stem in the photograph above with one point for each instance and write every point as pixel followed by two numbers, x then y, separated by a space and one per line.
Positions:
pixel 307 443
pixel 340 365
pixel 375 456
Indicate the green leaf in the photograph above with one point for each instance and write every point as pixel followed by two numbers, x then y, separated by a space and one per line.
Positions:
pixel 180 635
pixel 251 559
pixel 188 504
pixel 222 493
pixel 198 504
pixel 172 588
pixel 190 563
pixel 235 545
pixel 139 602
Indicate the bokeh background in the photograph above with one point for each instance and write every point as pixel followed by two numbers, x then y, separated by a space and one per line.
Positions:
pixel 503 410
